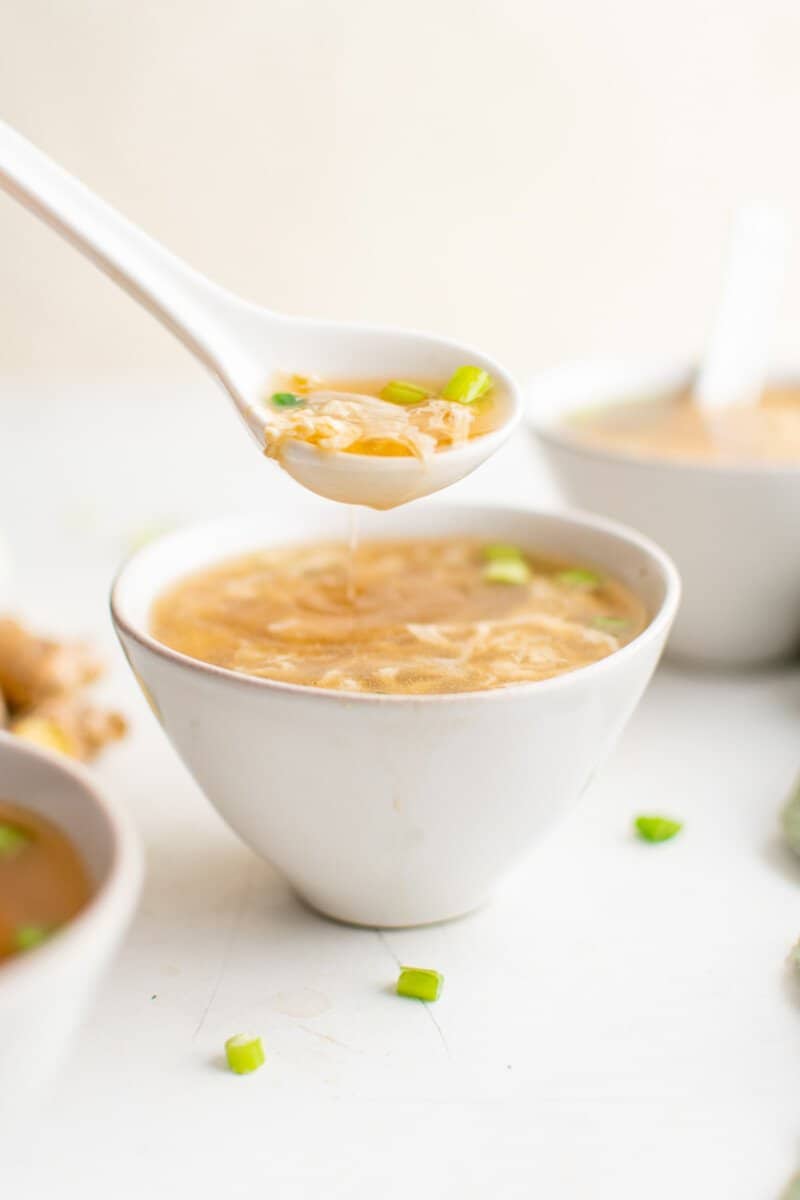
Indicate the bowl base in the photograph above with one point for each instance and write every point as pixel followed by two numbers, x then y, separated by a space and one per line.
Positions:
pixel 385 918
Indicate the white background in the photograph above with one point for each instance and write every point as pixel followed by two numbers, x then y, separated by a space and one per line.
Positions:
pixel 545 178
pixel 618 1024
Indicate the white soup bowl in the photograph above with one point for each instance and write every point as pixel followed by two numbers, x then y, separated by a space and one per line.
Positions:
pixel 45 991
pixel 731 529
pixel 393 810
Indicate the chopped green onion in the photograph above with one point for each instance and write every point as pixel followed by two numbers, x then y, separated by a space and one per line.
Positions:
pixel 578 577
pixel 657 829
pixel 400 392
pixel 286 400
pixel 420 983
pixel 501 550
pixel 26 937
pixel 244 1054
pixel 611 624
pixel 507 570
pixel 467 385
pixel 13 839
pixel 790 819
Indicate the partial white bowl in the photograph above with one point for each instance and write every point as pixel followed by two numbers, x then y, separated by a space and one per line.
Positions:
pixel 45 992
pixel 393 810
pixel 732 530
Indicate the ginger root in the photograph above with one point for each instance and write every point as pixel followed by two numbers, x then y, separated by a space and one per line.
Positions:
pixel 41 682
pixel 70 725
pixel 32 669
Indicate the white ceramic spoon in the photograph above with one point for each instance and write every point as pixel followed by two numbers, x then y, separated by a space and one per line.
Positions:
pixel 736 363
pixel 244 345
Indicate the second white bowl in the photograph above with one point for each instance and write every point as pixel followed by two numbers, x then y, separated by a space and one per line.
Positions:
pixel 732 530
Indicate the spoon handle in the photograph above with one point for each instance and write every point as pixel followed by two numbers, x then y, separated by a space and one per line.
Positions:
pixel 736 363
pixel 190 305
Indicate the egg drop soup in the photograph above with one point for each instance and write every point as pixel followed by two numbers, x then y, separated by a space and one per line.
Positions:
pixel 398 617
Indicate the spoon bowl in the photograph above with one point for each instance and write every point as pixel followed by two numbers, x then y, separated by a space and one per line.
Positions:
pixel 245 346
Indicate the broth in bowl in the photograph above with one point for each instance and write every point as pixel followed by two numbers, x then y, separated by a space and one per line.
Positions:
pixel 675 427
pixel 401 617
pixel 43 881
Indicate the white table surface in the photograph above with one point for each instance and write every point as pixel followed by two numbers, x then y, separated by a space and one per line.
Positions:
pixel 618 1023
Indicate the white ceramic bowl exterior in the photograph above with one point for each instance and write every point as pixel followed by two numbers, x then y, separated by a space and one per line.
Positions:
pixel 44 993
pixel 387 810
pixel 732 530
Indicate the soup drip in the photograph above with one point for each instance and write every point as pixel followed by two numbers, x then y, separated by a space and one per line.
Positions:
pixel 352 552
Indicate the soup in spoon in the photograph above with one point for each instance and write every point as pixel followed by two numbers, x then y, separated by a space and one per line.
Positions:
pixel 388 418
pixel 675 427
pixel 407 617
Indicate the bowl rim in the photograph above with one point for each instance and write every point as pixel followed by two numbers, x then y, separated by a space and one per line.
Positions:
pixel 113 899
pixel 656 629
pixel 549 431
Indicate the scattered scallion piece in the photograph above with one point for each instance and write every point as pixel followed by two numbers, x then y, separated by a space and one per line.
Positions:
pixel 579 577
pixel 420 983
pixel 400 392
pixel 244 1053
pixel 467 385
pixel 501 550
pixel 610 624
pixel 286 400
pixel 13 840
pixel 507 570
pixel 26 937
pixel 657 829
pixel 790 819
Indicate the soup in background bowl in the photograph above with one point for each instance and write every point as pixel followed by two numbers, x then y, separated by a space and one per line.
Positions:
pixel 68 886
pixel 618 440
pixel 673 427
pixel 393 809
